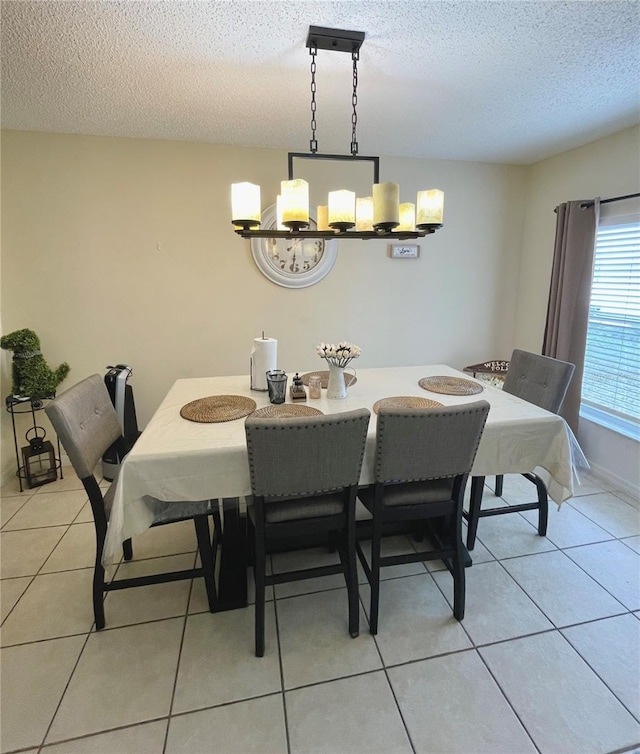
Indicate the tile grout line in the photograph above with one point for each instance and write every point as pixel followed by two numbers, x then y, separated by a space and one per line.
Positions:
pixel 24 591
pixel 460 623
pixel 26 500
pixel 38 573
pixel 64 691
pixel 595 580
pixel 631 749
pixel 594 620
pixel 595 672
pixel 624 608
pixel 390 685
pixel 82 737
pixel 584 513
pixel 178 660
pixel 507 700
pixel 282 686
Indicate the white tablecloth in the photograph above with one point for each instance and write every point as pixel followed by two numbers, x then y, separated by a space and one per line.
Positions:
pixel 178 460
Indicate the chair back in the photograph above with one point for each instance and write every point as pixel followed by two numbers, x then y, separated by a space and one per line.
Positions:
pixel 428 443
pixel 86 423
pixel 306 455
pixel 538 379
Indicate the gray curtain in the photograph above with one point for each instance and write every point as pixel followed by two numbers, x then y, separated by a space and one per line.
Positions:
pixel 565 335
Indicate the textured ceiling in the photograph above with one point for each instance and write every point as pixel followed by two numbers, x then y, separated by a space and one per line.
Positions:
pixel 495 81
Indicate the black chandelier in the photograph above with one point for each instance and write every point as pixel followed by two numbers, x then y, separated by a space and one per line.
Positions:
pixel 344 216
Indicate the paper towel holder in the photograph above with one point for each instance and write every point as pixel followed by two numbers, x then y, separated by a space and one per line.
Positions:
pixel 259 368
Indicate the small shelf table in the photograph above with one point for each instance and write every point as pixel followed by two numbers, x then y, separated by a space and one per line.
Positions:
pixel 494 369
pixel 26 405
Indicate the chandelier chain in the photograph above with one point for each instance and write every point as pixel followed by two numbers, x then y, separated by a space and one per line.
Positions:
pixel 313 144
pixel 354 102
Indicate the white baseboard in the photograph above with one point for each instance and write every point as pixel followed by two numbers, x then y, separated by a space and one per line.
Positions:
pixel 618 482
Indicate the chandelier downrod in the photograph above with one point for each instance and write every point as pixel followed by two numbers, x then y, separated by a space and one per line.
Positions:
pixel 313 143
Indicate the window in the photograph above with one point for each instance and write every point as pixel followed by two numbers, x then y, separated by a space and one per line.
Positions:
pixel 611 382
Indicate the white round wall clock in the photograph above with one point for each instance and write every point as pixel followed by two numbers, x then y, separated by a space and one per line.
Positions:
pixel 293 262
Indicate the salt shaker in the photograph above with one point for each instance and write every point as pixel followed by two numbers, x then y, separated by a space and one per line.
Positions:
pixel 315 386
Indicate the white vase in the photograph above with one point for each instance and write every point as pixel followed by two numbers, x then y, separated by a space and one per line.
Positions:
pixel 336 387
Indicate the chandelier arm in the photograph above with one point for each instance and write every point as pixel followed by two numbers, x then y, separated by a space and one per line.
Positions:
pixel 313 143
pixel 354 101
pixel 400 235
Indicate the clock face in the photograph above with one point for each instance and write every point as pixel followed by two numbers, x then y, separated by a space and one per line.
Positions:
pixel 295 255
pixel 293 262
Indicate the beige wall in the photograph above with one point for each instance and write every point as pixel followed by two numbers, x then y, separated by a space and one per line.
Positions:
pixel 121 250
pixel 606 168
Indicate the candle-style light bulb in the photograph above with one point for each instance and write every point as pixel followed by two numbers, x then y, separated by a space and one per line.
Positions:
pixel 295 203
pixel 364 213
pixel 386 211
pixel 342 209
pixel 323 217
pixel 430 208
pixel 245 205
pixel 407 216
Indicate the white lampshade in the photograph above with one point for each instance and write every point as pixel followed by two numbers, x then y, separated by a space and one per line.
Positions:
pixel 364 213
pixel 295 203
pixel 245 204
pixel 407 216
pixel 323 217
pixel 430 207
pixel 386 200
pixel 342 209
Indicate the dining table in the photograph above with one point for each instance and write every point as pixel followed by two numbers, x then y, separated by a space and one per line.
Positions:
pixel 178 460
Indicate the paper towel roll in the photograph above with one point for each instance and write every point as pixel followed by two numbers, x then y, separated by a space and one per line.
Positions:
pixel 264 356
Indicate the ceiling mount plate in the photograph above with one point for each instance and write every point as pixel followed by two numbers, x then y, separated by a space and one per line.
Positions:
pixel 335 39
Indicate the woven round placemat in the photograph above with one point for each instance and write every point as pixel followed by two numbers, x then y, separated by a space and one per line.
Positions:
pixel 404 401
pixel 218 408
pixel 450 385
pixel 285 411
pixel 349 379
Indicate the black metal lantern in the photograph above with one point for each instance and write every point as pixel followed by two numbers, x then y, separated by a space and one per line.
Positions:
pixel 39 459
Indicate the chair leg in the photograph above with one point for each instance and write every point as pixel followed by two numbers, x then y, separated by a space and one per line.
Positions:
pixel 203 536
pixel 543 506
pixel 352 582
pixel 98 581
pixel 475 501
pixel 127 549
pixel 259 575
pixel 217 520
pixel 458 589
pixel 375 575
pixel 251 546
pixel 98 596
pixel 459 583
pixel 499 483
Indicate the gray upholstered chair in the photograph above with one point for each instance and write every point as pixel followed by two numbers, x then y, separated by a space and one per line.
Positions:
pixel 304 477
pixel 423 458
pixel 86 423
pixel 540 380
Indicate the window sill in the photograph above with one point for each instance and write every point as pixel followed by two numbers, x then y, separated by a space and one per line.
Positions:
pixel 615 423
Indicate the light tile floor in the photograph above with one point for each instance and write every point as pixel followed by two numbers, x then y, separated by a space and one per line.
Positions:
pixel 546 660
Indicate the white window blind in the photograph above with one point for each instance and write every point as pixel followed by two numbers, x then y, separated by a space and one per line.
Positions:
pixel 611 381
